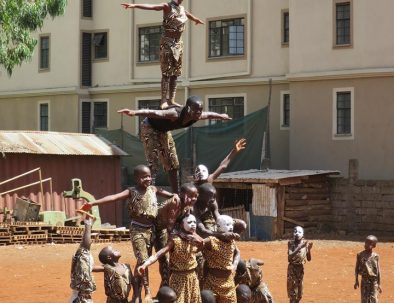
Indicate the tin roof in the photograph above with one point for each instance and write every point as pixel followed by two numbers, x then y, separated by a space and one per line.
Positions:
pixel 270 175
pixel 56 143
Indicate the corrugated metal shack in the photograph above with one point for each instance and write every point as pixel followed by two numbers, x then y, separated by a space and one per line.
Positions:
pixel 274 201
pixel 60 156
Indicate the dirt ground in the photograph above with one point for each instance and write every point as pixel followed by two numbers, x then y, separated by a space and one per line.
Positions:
pixel 40 274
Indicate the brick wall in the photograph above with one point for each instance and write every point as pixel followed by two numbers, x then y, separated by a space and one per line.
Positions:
pixel 362 206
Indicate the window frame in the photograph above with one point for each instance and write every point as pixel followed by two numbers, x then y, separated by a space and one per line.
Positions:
pixel 39 114
pixel 335 135
pixel 282 125
pixel 91 117
pixel 82 10
pixel 138 62
pixel 230 56
pixel 93 33
pixel 282 38
pixel 236 95
pixel 334 18
pixel 136 106
pixel 44 69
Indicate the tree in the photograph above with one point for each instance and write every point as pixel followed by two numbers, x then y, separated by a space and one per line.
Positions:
pixel 18 20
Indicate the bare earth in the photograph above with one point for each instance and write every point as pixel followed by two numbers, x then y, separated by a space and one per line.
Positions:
pixel 41 273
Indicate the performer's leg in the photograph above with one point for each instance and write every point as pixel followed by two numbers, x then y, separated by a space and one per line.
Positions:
pixel 165 88
pixel 172 91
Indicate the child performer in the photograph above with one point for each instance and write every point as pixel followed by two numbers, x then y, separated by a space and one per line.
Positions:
pixel 165 221
pixel 171 44
pixel 221 259
pixel 142 207
pixel 299 250
pixel 117 276
pixel 183 263
pixel 82 280
pixel 367 266
pixel 250 273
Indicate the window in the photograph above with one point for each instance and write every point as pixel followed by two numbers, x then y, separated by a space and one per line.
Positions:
pixel 343 30
pixel 86 61
pixel 147 104
pixel 285 27
pixel 100 44
pixel 232 106
pixel 226 38
pixel 343 113
pixel 44 116
pixel 149 44
pixel 285 110
pixel 44 52
pixel 87 8
pixel 94 115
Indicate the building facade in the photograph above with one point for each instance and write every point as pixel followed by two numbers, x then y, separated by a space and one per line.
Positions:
pixel 331 71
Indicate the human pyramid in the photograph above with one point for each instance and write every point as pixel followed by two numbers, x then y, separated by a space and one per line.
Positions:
pixel 195 245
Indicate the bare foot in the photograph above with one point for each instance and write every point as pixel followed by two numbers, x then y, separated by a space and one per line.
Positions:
pixel 164 105
pixel 148 299
pixel 173 103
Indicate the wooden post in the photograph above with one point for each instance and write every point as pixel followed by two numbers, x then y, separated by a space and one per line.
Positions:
pixel 280 200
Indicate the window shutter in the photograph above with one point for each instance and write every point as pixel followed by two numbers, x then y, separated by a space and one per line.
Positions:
pixel 86 68
pixel 86 106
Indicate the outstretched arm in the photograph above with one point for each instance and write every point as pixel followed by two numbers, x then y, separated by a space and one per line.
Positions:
pixel 151 7
pixel 214 116
pixel 111 198
pixel 194 18
pixel 154 258
pixel 238 146
pixel 204 232
pixel 168 114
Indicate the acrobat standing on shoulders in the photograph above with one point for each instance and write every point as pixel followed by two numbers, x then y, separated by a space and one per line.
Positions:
pixel 171 44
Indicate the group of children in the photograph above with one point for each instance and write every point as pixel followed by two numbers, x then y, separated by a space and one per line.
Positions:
pixel 196 249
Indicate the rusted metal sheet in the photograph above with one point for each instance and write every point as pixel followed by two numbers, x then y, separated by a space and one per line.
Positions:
pixel 270 176
pixel 100 176
pixel 56 143
pixel 264 200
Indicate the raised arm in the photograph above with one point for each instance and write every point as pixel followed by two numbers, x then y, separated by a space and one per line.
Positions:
pixel 214 116
pixel 151 7
pixel 238 146
pixel 194 18
pixel 111 198
pixel 169 114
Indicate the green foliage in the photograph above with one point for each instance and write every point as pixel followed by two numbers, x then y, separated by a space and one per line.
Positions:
pixel 18 19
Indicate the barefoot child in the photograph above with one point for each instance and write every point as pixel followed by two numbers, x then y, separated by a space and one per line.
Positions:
pixel 118 278
pixel 250 273
pixel 171 46
pixel 299 250
pixel 142 207
pixel 221 259
pixel 82 280
pixel 183 279
pixel 367 265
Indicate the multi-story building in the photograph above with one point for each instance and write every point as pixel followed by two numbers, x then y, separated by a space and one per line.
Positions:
pixel 330 62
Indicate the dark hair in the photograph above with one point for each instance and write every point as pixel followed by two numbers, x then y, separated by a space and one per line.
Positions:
pixel 207 296
pixel 139 168
pixel 244 291
pixel 187 187
pixel 103 255
pixel 206 187
pixel 193 100
pixel 165 293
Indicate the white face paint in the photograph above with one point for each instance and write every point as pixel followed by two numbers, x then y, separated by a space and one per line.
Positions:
pixel 189 224
pixel 298 232
pixel 201 173
pixel 225 224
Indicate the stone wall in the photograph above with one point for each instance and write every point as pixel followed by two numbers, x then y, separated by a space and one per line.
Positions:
pixel 362 206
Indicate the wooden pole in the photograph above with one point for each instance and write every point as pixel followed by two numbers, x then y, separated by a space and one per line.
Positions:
pixel 19 176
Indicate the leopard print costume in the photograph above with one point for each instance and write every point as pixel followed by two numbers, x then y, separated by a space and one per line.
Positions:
pixel 220 256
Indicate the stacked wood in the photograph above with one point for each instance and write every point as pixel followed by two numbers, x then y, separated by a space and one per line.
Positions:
pixel 23 233
pixel 307 204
